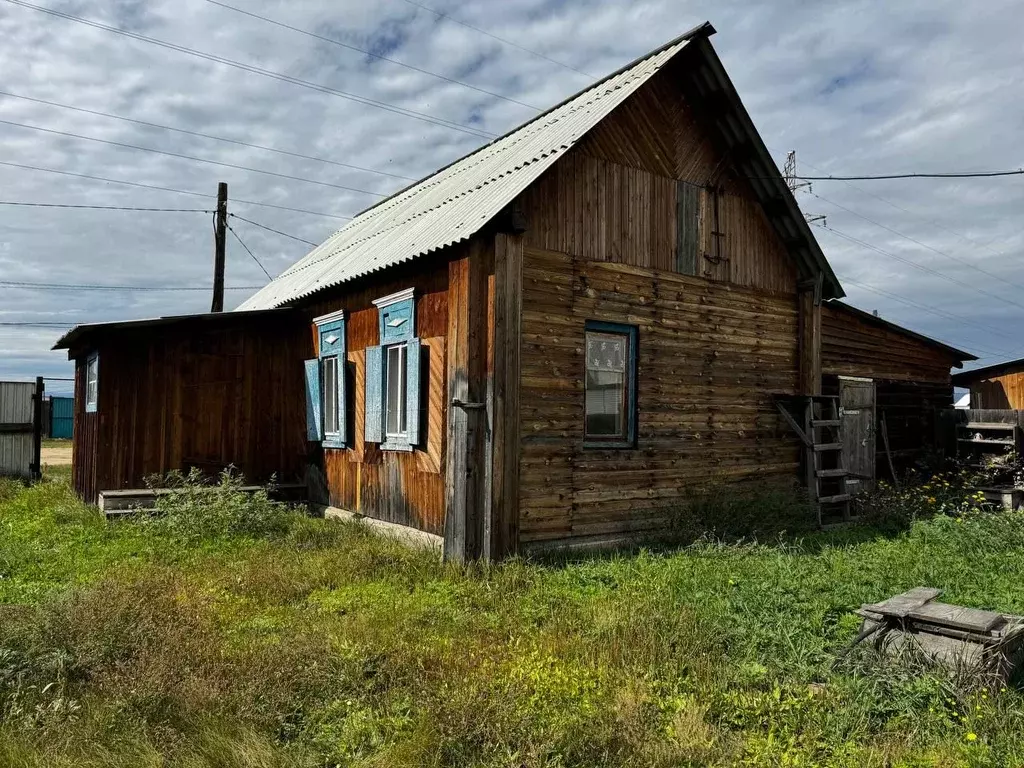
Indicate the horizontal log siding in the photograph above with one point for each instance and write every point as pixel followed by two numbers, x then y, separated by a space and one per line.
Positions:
pixel 710 356
pixel 853 346
pixel 395 486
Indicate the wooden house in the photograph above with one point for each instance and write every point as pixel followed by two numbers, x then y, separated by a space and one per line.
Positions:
pixel 995 387
pixel 892 385
pixel 555 340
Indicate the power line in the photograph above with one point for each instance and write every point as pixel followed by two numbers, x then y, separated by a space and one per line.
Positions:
pixel 926 308
pixel 921 267
pixel 193 158
pixel 502 40
pixel 964 262
pixel 920 215
pixel 260 71
pixel 38 325
pixel 232 229
pixel 372 54
pixel 271 229
pixel 166 189
pixel 882 177
pixel 205 135
pixel 97 287
pixel 948 315
pixel 103 207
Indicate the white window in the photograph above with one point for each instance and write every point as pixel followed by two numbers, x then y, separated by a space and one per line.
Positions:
pixel 329 369
pixel 92 383
pixel 610 410
pixel 396 391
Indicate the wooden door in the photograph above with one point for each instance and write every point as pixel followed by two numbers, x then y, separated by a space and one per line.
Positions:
pixel 857 416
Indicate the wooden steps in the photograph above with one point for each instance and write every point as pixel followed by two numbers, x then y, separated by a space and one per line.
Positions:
pixel 819 427
pixel 832 473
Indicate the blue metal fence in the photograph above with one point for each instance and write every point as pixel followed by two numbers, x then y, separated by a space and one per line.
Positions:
pixel 62 418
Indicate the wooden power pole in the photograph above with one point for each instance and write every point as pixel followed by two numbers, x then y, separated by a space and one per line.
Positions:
pixel 219 238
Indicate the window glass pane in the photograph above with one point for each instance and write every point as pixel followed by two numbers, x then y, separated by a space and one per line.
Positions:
pixel 395 394
pixel 606 385
pixel 91 380
pixel 330 394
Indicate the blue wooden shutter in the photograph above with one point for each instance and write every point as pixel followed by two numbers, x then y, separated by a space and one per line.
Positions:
pixel 314 404
pixel 374 426
pixel 412 403
pixel 342 398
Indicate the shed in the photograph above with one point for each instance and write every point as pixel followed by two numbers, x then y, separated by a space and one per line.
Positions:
pixel 995 387
pixel 892 382
pixel 193 391
pixel 551 342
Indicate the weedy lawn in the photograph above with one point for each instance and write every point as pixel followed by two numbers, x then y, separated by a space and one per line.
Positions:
pixel 234 633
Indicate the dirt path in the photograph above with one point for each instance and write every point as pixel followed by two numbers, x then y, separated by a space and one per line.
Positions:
pixel 56 452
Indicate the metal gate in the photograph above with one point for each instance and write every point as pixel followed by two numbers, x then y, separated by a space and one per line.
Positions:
pixel 62 417
pixel 20 428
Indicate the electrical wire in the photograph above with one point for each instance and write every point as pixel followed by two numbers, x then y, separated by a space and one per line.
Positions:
pixel 234 201
pixel 933 222
pixel 887 176
pixel 250 252
pixel 193 158
pixel 1000 279
pixel 271 229
pixel 921 267
pixel 103 207
pixel 97 287
pixel 461 127
pixel 204 135
pixel 340 44
pixel 38 325
pixel 502 40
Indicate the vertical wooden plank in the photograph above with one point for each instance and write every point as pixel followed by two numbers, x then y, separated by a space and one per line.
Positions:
pixel 467 353
pixel 508 293
pixel 809 339
pixel 687 206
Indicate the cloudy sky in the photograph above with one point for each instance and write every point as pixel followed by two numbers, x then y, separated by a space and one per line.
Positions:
pixel 855 88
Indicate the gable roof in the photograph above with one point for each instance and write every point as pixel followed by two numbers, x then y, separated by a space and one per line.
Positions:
pixel 967 378
pixel 957 354
pixel 455 202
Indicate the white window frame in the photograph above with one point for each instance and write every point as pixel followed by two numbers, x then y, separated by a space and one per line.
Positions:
pixel 403 391
pixel 92 382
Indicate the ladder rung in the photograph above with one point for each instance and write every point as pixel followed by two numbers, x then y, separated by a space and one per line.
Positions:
pixel 834 499
pixel 828 447
pixel 825 423
pixel 832 473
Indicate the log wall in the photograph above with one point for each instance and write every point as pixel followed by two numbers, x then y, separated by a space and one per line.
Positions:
pixel 401 487
pixel 710 357
pixel 912 377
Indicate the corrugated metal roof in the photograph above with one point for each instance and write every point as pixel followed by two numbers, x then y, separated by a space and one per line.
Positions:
pixel 454 203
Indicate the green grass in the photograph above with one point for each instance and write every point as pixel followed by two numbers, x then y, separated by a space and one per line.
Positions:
pixel 319 644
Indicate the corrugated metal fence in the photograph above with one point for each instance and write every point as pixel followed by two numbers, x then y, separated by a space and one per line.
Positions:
pixel 20 428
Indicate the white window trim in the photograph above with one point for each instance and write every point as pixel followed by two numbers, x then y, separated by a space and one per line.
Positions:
pixel 92 403
pixel 403 390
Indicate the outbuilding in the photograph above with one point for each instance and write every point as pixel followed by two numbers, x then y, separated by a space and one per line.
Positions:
pixel 995 387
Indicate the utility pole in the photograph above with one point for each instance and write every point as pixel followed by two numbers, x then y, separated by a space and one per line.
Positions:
pixel 219 241
pixel 795 185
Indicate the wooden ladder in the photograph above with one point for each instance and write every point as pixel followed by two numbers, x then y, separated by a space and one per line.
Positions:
pixel 820 431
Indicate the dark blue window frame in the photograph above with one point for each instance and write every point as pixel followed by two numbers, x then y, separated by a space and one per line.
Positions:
pixel 631 415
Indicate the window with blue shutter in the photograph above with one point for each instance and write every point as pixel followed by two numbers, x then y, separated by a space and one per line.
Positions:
pixel 393 376
pixel 333 426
